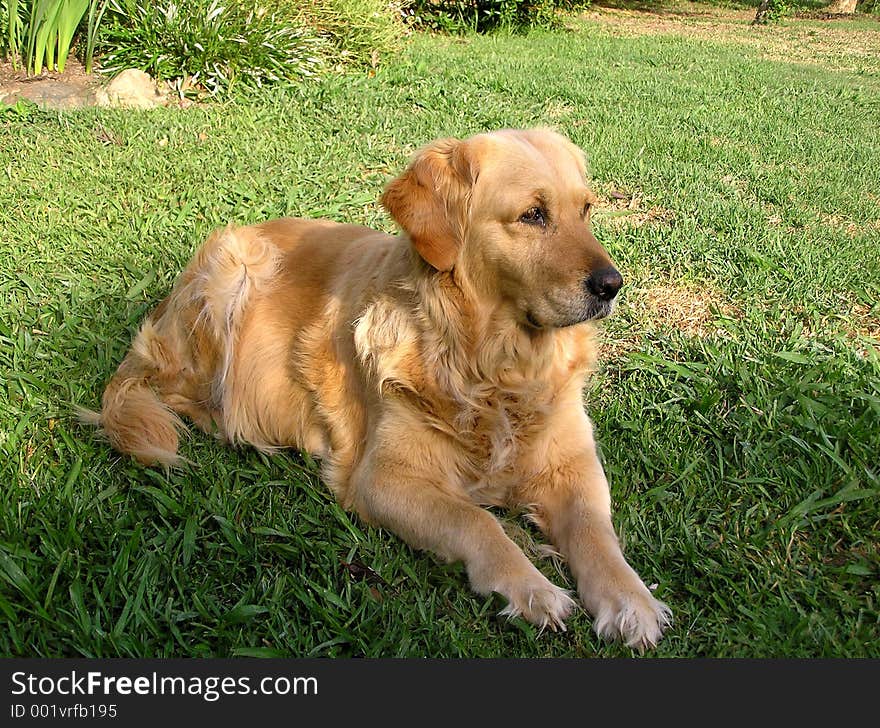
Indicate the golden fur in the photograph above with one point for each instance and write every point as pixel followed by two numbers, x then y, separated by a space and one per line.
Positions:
pixel 432 372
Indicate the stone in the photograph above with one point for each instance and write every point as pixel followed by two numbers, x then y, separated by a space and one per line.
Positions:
pixel 131 89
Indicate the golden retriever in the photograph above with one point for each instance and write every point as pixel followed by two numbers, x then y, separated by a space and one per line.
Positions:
pixel 432 373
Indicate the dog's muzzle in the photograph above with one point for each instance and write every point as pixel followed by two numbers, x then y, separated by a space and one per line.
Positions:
pixel 604 283
pixel 602 287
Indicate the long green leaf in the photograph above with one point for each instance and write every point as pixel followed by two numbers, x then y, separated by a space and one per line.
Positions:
pixel 96 14
pixel 33 21
pixel 69 17
pixel 13 32
pixel 43 14
pixel 51 41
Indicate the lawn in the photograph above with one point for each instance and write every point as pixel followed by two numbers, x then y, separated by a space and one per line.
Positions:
pixel 737 403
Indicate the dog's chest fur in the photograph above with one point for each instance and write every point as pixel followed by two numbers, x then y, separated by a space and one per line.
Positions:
pixel 490 404
pixel 491 430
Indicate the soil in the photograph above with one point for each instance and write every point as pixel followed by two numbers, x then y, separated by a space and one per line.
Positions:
pixel 72 89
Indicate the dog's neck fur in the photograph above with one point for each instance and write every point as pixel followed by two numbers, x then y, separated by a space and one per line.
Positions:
pixel 474 347
pixel 485 379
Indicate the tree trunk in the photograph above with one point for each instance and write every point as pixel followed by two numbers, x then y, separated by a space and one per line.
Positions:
pixel 842 7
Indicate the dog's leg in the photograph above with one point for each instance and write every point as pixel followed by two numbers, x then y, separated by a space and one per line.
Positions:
pixel 570 501
pixel 428 517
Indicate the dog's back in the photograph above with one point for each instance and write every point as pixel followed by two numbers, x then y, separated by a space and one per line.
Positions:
pixel 218 348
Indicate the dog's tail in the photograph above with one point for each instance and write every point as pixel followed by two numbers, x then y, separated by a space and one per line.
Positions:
pixel 132 416
pixel 182 359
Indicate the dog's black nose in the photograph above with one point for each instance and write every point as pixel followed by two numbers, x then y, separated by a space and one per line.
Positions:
pixel 605 283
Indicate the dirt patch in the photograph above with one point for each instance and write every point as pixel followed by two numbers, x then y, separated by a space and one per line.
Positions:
pixel 75 89
pixel 617 208
pixel 804 40
pixel 692 309
pixel 72 89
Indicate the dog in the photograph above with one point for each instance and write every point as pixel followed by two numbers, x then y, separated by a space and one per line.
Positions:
pixel 432 373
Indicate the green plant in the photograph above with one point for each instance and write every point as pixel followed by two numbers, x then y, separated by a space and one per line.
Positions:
pixel 771 11
pixel 777 10
pixel 217 46
pixel 359 30
pixel 96 13
pixel 487 15
pixel 51 26
pixel 12 26
pixel 41 32
pixel 21 111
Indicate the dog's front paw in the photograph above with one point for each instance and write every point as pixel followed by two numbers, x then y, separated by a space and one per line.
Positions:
pixel 539 601
pixel 633 616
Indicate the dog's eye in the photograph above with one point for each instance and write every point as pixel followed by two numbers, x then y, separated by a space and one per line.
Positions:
pixel 587 208
pixel 534 216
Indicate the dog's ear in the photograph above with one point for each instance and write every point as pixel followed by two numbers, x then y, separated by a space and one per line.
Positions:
pixel 429 200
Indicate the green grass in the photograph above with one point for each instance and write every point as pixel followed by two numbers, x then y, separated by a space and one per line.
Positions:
pixel 743 462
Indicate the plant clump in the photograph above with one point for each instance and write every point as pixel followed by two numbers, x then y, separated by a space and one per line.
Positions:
pixel 206 45
pixel 480 16
pixel 213 45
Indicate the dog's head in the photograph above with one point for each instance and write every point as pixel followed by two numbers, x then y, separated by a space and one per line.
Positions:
pixel 510 210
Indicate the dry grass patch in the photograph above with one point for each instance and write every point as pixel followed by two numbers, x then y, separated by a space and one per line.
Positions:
pixel 860 327
pixel 824 43
pixel 849 227
pixel 691 308
pixel 532 543
pixel 618 209
pixel 555 110
pixel 867 321
pixel 858 324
